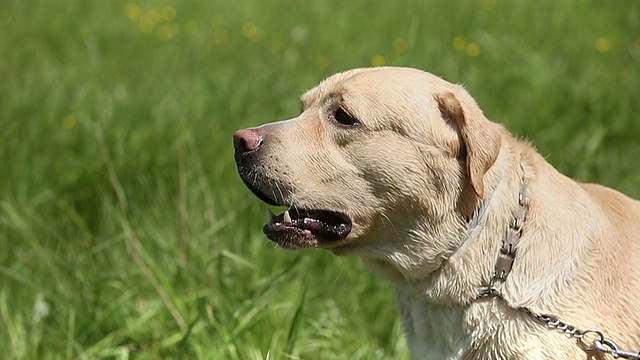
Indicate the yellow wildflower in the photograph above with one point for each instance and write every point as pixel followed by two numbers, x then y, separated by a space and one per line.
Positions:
pixel 168 13
pixel 473 49
pixel 167 31
pixel 400 45
pixel 153 15
pixel 133 11
pixel 378 60
pixel 69 121
pixel 250 30
pixel 146 25
pixel 459 43
pixel 603 45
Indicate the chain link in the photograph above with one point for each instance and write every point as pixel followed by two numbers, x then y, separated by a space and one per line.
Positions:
pixel 588 340
pixel 554 323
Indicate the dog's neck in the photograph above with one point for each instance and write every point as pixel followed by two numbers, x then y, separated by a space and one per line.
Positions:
pixel 461 275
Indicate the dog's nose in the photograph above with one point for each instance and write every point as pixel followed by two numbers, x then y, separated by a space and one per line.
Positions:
pixel 247 140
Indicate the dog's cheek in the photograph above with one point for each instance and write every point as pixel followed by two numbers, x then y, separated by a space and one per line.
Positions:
pixel 392 168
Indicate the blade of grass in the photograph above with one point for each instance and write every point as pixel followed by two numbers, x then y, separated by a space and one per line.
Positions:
pixel 132 243
pixel 295 323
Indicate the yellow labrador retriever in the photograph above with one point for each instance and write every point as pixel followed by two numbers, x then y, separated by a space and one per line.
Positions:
pixel 494 254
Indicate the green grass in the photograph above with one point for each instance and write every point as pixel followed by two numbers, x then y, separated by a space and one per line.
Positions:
pixel 125 232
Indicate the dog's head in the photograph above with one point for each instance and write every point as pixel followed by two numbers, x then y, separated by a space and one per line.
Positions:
pixel 381 162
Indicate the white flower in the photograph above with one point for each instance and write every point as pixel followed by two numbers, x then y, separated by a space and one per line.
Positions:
pixel 40 309
pixel 298 34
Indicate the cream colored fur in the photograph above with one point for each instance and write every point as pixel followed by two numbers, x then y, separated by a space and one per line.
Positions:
pixel 412 175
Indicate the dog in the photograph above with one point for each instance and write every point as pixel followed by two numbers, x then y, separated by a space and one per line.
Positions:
pixel 493 253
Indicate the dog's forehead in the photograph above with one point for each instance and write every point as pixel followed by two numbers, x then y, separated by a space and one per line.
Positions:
pixel 333 85
pixel 373 81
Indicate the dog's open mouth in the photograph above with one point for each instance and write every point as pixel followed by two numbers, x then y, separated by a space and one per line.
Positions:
pixel 298 228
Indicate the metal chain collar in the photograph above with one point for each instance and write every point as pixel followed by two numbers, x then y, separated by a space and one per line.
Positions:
pixel 592 341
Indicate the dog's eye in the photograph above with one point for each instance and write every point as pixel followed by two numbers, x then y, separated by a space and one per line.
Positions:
pixel 343 117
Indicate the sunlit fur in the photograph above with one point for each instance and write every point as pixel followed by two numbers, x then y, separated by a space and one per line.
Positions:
pixel 410 177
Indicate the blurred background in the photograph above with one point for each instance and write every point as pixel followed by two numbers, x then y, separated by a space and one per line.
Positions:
pixel 124 229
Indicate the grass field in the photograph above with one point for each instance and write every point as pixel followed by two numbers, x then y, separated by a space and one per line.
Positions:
pixel 124 229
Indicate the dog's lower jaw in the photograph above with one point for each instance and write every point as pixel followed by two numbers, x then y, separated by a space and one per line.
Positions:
pixel 417 256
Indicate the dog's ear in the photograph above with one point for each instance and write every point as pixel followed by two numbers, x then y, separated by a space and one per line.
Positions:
pixel 478 135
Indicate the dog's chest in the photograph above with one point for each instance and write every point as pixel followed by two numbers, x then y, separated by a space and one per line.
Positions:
pixel 432 331
pixel 479 331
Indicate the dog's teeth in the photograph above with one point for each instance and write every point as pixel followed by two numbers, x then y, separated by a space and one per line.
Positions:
pixel 271 214
pixel 286 218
